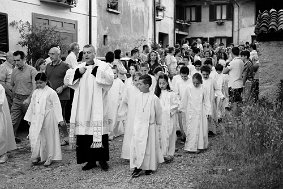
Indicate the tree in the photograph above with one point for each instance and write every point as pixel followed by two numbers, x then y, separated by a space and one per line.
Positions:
pixel 38 39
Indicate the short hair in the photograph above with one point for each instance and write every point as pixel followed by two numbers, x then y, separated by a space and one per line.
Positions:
pixel 197 62
pixel 135 66
pixel 137 74
pixel 198 77
pixel 89 46
pixel 253 46
pixel 38 63
pixel 245 53
pixel 171 49
pixel 114 67
pixel 57 49
pixel 109 57
pixel 219 67
pixel 236 51
pixel 117 53
pixel 41 76
pixel 208 61
pixel 146 79
pixel 145 64
pixel 185 70
pixel 144 47
pixel 186 57
pixel 135 50
pixel 157 69
pixel 73 45
pixel 21 53
pixel 205 69
pixel 196 50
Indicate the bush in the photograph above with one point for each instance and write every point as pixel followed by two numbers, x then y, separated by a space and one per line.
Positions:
pixel 38 39
pixel 251 146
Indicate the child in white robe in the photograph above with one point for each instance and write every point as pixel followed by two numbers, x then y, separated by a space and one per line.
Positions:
pixel 196 105
pixel 145 146
pixel 114 101
pixel 197 66
pixel 185 81
pixel 132 70
pixel 169 103
pixel 144 69
pixel 44 114
pixel 222 98
pixel 7 138
pixel 176 78
pixel 212 90
pixel 127 112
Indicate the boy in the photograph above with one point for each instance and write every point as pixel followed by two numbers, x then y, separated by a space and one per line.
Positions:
pixel 212 89
pixel 145 147
pixel 197 66
pixel 177 78
pixel 208 62
pixel 144 69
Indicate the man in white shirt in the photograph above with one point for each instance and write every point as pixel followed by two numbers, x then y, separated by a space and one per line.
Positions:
pixel 72 57
pixel 235 70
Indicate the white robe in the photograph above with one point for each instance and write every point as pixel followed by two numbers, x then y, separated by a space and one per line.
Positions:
pixel 114 101
pixel 127 112
pixel 222 97
pixel 212 90
pixel 175 80
pixel 44 113
pixel 145 145
pixel 7 138
pixel 169 104
pixel 196 105
pixel 89 107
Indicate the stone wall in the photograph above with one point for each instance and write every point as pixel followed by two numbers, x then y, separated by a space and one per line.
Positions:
pixel 271 69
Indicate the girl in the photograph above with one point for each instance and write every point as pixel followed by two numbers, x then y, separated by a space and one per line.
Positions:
pixel 196 105
pixel 127 111
pixel 7 138
pixel 169 103
pixel 114 100
pixel 40 65
pixel 153 61
pixel 43 114
pixel 132 71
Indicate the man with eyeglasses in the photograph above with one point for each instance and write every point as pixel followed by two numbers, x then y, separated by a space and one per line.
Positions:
pixel 23 84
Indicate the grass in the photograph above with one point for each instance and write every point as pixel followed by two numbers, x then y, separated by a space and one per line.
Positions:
pixel 249 151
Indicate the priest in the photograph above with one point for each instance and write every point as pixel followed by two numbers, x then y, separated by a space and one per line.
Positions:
pixel 91 81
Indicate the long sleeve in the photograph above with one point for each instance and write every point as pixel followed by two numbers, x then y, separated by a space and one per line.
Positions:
pixel 218 87
pixel 207 102
pixel 158 111
pixel 29 113
pixel 105 76
pixel 184 101
pixel 56 106
pixel 2 95
pixel 123 108
pixel 72 77
pixel 174 103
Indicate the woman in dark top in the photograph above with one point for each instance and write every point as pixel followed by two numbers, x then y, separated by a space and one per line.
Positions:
pixel 153 61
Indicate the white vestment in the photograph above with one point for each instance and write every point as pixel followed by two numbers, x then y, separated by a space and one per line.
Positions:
pixel 89 107
pixel 114 101
pixel 44 113
pixel 196 105
pixel 7 138
pixel 222 97
pixel 127 112
pixel 145 145
pixel 169 104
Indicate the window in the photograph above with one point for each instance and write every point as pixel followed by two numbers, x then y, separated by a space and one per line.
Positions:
pixel 112 4
pixel 221 12
pixel 4 40
pixel 225 40
pixel 180 13
pixel 193 14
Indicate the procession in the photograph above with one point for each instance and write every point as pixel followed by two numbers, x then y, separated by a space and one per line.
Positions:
pixel 101 97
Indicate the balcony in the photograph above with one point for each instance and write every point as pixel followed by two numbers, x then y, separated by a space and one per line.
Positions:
pixel 62 3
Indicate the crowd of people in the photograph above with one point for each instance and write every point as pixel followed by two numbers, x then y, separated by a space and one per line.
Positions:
pixel 151 98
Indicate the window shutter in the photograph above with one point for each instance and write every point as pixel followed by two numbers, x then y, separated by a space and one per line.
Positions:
pixel 211 41
pixel 4 46
pixel 230 12
pixel 212 13
pixel 229 40
pixel 198 14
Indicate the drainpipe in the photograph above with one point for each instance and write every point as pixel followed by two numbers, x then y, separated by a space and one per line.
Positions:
pixel 90 21
pixel 238 31
pixel 154 21
pixel 174 25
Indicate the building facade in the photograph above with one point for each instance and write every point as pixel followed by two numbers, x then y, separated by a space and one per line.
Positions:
pixel 71 18
pixel 216 21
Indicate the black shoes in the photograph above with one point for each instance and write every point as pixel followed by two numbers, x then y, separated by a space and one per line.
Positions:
pixel 211 134
pixel 148 172
pixel 89 166
pixel 136 173
pixel 104 166
pixel 18 140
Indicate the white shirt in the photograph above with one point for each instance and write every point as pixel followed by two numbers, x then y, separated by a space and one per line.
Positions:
pixel 71 60
pixel 236 67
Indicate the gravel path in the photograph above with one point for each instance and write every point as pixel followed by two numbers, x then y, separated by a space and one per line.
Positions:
pixel 183 172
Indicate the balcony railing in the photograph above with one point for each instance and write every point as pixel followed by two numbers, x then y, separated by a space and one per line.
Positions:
pixel 63 3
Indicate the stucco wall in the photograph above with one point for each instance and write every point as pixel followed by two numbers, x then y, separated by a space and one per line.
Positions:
pixel 126 30
pixel 22 10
